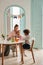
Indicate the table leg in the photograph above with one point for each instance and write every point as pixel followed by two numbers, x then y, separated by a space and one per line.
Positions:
pixel 0 48
pixel 2 54
pixel 21 51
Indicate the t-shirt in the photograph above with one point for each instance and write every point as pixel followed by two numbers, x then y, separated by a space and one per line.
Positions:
pixel 26 38
pixel 12 34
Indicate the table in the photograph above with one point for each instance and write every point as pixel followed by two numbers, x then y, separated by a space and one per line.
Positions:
pixel 4 43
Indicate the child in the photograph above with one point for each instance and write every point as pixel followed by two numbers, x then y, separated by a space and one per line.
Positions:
pixel 26 38
pixel 19 35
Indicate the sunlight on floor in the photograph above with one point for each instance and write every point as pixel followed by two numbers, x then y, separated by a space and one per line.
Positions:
pixel 38 54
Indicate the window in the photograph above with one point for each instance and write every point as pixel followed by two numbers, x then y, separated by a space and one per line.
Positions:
pixel 15 20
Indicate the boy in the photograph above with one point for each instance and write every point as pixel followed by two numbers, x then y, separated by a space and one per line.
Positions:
pixel 26 38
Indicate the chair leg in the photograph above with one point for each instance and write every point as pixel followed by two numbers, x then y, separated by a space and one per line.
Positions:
pixel 13 54
pixel 16 50
pixel 33 55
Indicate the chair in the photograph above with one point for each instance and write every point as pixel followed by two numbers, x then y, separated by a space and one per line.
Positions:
pixel 31 50
pixel 14 49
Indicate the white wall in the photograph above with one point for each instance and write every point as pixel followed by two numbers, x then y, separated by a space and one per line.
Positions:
pixel 23 3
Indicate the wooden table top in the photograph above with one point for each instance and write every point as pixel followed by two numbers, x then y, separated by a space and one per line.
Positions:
pixel 9 42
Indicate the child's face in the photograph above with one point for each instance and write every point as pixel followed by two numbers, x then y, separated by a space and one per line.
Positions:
pixel 18 33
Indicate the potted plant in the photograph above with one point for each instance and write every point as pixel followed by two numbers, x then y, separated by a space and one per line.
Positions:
pixel 3 36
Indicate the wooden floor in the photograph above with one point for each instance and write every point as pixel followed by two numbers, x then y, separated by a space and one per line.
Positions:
pixel 27 59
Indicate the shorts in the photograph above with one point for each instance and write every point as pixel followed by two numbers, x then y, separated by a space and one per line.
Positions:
pixel 26 46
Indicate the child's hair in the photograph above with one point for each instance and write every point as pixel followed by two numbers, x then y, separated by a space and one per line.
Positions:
pixel 26 31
